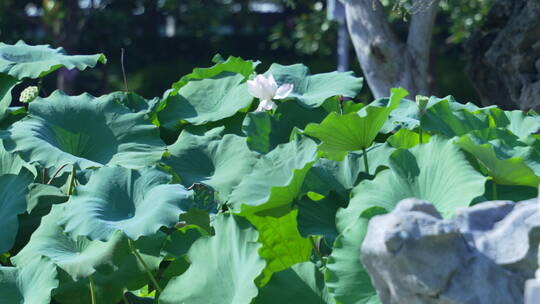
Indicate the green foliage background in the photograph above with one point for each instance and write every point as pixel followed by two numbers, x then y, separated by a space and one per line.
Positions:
pixel 194 198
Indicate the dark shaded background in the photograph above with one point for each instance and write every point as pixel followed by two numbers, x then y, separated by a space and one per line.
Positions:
pixel 165 39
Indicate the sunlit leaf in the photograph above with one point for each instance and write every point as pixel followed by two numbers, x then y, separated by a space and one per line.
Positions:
pixel 33 61
pixel 436 172
pixel 354 131
pixel 313 90
pixel 85 131
pixel 276 179
pixel 136 202
pixel 223 267
pixel 212 159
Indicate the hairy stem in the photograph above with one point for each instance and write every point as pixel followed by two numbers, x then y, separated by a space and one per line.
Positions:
pixel 125 299
pixel 317 252
pixel 366 164
pixel 124 70
pixel 71 186
pixel 143 263
pixel 55 174
pixel 92 289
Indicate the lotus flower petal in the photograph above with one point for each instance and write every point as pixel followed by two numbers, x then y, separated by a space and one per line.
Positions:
pixel 284 90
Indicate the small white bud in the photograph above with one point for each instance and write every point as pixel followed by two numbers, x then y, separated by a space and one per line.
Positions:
pixel 29 94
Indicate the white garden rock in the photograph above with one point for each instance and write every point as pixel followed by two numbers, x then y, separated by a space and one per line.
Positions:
pixel 484 255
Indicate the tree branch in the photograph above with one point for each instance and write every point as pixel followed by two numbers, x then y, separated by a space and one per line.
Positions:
pixel 421 32
pixel 377 47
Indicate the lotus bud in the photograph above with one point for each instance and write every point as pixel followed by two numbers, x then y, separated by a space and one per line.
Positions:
pixel 422 102
pixel 29 94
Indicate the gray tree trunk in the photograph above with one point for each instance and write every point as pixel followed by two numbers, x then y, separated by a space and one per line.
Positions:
pixel 504 55
pixel 386 61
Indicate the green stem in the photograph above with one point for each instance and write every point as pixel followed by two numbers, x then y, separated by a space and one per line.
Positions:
pixel 56 173
pixel 125 299
pixel 92 290
pixel 494 190
pixel 366 164
pixel 420 134
pixel 319 255
pixel 146 268
pixel 71 186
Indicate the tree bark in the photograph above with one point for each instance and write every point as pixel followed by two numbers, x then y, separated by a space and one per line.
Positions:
pixel 386 61
pixel 504 55
pixel 68 38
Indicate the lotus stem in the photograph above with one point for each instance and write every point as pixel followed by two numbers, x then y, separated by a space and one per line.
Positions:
pixel 71 186
pixel 55 173
pixel 366 164
pixel 494 190
pixel 319 255
pixel 92 289
pixel 125 299
pixel 146 268
pixel 124 70
pixel 420 134
pixel 43 175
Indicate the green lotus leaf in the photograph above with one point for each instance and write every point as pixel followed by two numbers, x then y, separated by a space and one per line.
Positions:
pixel 339 105
pixel 13 188
pixel 11 115
pixel 211 159
pixel 319 217
pixel 276 179
pixel 265 131
pixel 518 122
pixel 453 119
pixel 136 103
pixel 7 83
pixel 232 64
pixel 354 131
pixel 136 202
pixel 312 90
pixel 85 131
pixel 110 280
pixel 34 61
pixel 507 160
pixel 11 163
pixel 39 200
pixel 141 296
pixel 508 193
pixel 406 115
pixel 223 267
pixel 283 246
pixel 78 257
pixel 133 299
pixel 436 172
pixel 44 196
pixel 345 276
pixel 178 243
pixel 405 139
pixel 31 284
pixel 205 100
pixel 341 176
pixel 176 268
pixel 303 283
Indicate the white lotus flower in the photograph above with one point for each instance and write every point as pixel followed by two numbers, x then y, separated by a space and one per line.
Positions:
pixel 267 89
pixel 29 94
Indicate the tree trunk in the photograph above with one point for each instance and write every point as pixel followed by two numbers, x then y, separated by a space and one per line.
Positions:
pixel 386 61
pixel 504 55
pixel 68 38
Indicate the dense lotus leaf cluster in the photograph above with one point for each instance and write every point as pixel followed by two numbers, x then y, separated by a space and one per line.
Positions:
pixel 196 197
